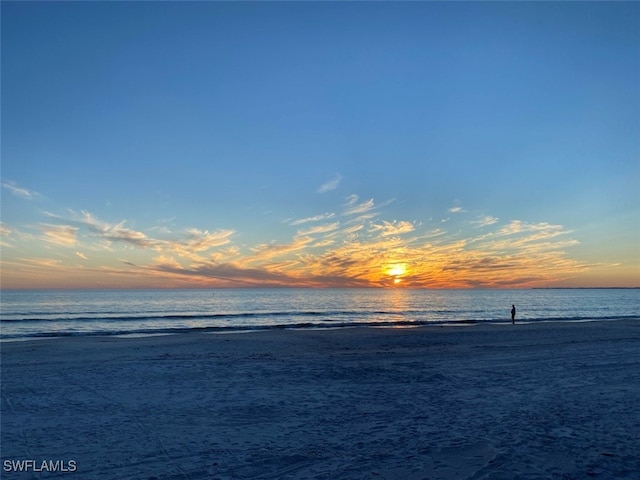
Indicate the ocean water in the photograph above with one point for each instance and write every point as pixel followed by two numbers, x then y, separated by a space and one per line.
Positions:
pixel 58 313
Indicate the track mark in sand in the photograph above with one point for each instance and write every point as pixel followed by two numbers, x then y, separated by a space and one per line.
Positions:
pixel 22 433
pixel 143 427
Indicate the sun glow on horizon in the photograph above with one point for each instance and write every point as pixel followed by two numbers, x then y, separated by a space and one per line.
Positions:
pixel 397 271
pixel 375 254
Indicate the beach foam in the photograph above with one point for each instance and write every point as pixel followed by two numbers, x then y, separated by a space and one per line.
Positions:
pixel 549 400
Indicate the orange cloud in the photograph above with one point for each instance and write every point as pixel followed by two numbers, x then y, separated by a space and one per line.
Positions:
pixel 63 235
pixel 362 253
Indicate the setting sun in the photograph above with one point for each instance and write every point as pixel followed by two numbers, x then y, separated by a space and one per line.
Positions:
pixel 396 271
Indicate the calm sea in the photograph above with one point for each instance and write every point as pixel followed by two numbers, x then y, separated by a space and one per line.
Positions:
pixel 57 313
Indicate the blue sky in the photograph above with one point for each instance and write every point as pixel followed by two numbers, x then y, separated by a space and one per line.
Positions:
pixel 419 144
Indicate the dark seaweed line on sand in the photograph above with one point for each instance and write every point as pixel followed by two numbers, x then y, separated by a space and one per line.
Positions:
pixel 293 326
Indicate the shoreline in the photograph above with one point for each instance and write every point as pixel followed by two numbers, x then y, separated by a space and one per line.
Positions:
pixel 482 330
pixel 316 327
pixel 552 400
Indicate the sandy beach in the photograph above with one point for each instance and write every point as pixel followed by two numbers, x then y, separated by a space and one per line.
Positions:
pixel 537 401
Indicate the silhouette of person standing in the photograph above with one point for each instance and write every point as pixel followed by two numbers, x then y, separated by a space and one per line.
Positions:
pixel 513 314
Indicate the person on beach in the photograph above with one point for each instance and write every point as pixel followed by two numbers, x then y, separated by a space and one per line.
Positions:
pixel 513 314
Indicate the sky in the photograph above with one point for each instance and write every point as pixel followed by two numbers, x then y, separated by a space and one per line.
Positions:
pixel 320 144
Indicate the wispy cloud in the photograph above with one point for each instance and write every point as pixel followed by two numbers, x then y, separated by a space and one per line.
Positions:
pixel 202 240
pixel 393 228
pixel 352 229
pixel 330 185
pixel 191 243
pixel 352 206
pixel 19 191
pixel 268 251
pixel 114 232
pixel 315 218
pixel 485 221
pixel 4 236
pixel 330 227
pixel 360 249
pixel 63 235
